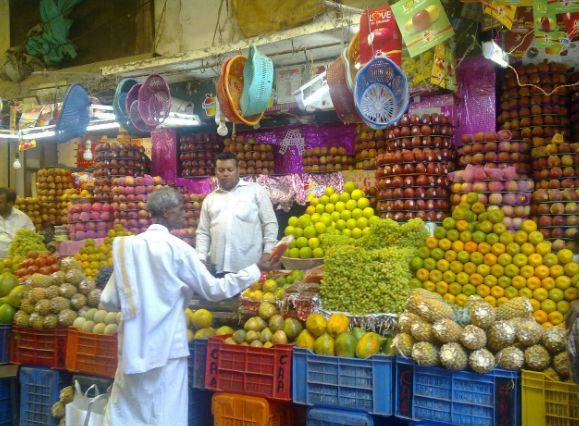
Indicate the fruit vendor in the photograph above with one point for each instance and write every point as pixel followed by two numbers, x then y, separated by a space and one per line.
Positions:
pixel 155 275
pixel 237 226
pixel 11 219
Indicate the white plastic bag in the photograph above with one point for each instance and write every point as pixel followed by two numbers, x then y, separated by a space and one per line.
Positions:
pixel 85 410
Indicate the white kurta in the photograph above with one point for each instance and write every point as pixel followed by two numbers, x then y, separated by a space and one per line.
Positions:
pixel 162 273
pixel 236 227
pixel 9 226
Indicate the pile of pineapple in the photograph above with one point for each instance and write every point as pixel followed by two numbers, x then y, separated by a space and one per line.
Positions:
pixel 479 336
pixel 57 299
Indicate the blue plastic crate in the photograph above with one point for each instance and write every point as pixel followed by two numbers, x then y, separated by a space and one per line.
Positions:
pixel 39 389
pixel 342 382
pixel 200 408
pixel 197 357
pixel 331 417
pixel 8 403
pixel 4 343
pixel 457 398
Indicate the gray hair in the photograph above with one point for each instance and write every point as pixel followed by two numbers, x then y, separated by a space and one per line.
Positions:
pixel 162 199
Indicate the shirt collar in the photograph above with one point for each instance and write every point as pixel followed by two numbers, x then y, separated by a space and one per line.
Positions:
pixel 240 183
pixel 157 227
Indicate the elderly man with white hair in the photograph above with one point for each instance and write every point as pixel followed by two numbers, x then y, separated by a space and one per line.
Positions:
pixel 155 275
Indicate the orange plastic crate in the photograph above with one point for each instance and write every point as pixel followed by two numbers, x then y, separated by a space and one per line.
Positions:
pixel 91 353
pixel 44 348
pixel 242 410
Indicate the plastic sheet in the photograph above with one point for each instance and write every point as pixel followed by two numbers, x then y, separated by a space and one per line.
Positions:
pixel 164 154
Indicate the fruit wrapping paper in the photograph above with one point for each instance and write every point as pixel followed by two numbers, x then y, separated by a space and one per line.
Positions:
pixel 381 323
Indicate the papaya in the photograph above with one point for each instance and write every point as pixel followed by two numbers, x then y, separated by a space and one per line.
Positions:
pixel 7 283
pixel 387 346
pixel 6 313
pixel 292 328
pixel 357 332
pixel 337 324
pixel 346 345
pixel 14 298
pixel 316 324
pixel 305 340
pixel 324 345
pixel 369 344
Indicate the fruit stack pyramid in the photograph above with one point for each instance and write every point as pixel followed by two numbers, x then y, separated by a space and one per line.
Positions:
pixel 66 200
pixel 487 337
pixel 575 107
pixel 36 262
pixel 496 187
pixel 30 206
pixel 51 184
pixel 130 201
pixel 89 220
pixel 412 167
pixel 197 154
pixel 494 150
pixel 347 213
pixel 117 157
pixel 327 159
pixel 254 157
pixel 473 252
pixel 554 204
pixel 529 114
pixel 97 321
pixel 56 299
pixel 366 143
pixel 192 207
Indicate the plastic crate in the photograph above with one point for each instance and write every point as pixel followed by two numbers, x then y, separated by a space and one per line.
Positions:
pixel 39 389
pixel 197 357
pixel 243 410
pixel 548 402
pixel 91 353
pixel 44 348
pixel 8 401
pixel 456 397
pixel 4 344
pixel 331 417
pixel 199 412
pixel 247 370
pixel 343 382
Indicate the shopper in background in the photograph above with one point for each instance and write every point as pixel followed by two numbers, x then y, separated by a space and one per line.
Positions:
pixel 237 226
pixel 11 220
pixel 155 275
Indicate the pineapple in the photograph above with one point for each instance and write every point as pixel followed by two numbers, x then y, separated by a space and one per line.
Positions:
pixel 500 335
pixel 554 340
pixel 562 365
pixel 27 306
pixel 40 281
pixel 422 331
pixel 37 294
pixel 482 314
pixel 86 286
pixel 22 319
pixel 74 276
pixel 67 290
pixel 59 277
pixel 528 332
pixel 537 358
pixel 446 331
pixel 425 354
pixel 66 317
pixel 518 307
pixel 94 298
pixel 36 321
pixel 402 344
pixel 69 263
pixel 433 310
pixel 78 301
pixel 481 361
pixel 42 307
pixel 58 304
pixel 510 358
pixel 551 374
pixel 50 321
pixel 453 356
pixel 405 320
pixel 66 395
pixel 52 292
pixel 473 337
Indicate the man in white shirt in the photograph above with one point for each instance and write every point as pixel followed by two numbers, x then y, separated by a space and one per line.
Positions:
pixel 11 220
pixel 237 226
pixel 155 275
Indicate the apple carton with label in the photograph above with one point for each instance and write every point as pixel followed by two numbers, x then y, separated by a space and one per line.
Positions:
pixel 379 35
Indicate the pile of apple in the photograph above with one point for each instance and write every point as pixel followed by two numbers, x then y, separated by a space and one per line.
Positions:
pixel 495 150
pixel 412 165
pixel 31 207
pixel 366 142
pixel 36 263
pixel 526 111
pixel 130 201
pixel 51 185
pixel 575 108
pixel 254 158
pixel 327 159
pixel 192 207
pixel 197 154
pixel 89 220
pixel 497 187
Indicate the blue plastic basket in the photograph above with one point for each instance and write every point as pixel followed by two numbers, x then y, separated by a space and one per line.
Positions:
pixel 347 383
pixel 39 390
pixel 381 92
pixel 331 417
pixel 257 83
pixel 200 408
pixel 119 108
pixel 457 398
pixel 8 403
pixel 197 357
pixel 4 344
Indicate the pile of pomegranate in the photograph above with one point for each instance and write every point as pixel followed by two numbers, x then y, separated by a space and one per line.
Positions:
pixel 89 220
pixel 412 167
pixel 255 158
pixel 366 142
pixel 197 154
pixel 192 207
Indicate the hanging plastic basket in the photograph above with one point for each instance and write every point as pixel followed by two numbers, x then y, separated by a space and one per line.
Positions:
pixel 74 114
pixel 233 85
pixel 381 92
pixel 340 93
pixel 154 100
pixel 131 105
pixel 224 104
pixel 119 101
pixel 257 83
pixel 351 57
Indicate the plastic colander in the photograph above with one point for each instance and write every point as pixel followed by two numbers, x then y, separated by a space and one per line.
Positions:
pixel 257 83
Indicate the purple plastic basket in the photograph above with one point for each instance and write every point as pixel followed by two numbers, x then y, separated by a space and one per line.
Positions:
pixel 154 100
pixel 131 105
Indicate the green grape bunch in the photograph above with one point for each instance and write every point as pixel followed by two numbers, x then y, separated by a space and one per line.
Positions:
pixel 25 241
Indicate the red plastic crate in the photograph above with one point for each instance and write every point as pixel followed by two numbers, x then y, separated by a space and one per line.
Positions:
pixel 90 353
pixel 46 348
pixel 247 370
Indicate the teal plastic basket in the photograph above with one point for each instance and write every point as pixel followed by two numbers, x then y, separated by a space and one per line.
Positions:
pixel 121 114
pixel 257 83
